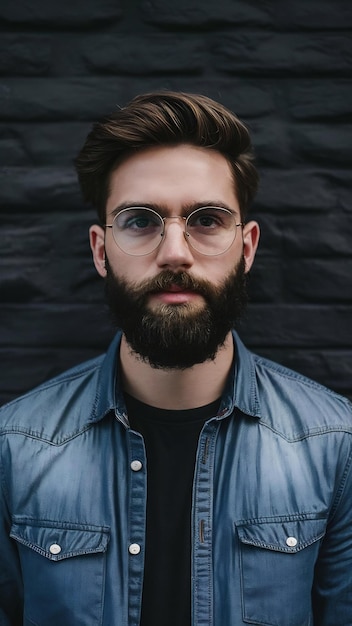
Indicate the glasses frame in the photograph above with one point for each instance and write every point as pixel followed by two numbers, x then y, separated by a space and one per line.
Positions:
pixel 173 217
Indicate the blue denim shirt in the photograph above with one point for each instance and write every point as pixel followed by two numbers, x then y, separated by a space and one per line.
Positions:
pixel 271 515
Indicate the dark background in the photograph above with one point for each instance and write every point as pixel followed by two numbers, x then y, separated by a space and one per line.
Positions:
pixel 283 67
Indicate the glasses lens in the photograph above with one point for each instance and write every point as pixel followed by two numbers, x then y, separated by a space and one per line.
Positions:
pixel 211 230
pixel 137 230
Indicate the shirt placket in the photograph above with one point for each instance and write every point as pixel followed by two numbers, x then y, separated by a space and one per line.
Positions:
pixel 202 521
pixel 137 523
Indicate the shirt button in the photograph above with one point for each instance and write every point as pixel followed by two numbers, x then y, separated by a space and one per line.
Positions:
pixel 134 548
pixel 136 466
pixel 291 542
pixel 55 548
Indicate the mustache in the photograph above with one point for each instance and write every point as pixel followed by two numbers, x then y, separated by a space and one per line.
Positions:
pixel 166 279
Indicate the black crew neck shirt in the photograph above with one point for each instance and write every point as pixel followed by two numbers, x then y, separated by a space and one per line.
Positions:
pixel 171 439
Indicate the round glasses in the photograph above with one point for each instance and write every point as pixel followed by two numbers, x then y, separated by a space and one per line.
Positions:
pixel 138 230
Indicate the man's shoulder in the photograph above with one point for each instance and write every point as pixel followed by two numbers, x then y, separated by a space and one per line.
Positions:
pixel 40 408
pixel 297 404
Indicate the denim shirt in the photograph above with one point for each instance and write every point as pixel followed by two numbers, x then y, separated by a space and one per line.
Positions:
pixel 271 513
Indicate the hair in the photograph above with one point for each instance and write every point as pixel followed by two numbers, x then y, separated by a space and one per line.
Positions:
pixel 161 119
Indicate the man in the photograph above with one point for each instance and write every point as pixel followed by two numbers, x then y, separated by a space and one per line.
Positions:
pixel 179 479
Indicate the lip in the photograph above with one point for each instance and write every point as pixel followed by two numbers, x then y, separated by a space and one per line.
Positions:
pixel 175 295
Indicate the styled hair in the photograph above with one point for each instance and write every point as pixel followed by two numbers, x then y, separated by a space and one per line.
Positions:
pixel 161 119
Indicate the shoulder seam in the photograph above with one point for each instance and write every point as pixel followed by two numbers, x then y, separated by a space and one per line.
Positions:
pixel 292 375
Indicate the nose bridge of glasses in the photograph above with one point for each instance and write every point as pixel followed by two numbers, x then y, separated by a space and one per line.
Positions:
pixel 175 217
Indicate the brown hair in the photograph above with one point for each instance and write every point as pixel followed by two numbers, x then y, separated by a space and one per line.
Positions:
pixel 159 119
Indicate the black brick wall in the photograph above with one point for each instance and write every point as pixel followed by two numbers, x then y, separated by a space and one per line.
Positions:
pixel 284 67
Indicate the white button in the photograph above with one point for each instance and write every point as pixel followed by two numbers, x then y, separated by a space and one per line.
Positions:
pixel 55 548
pixel 136 466
pixel 134 548
pixel 291 542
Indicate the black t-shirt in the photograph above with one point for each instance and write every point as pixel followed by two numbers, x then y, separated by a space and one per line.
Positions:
pixel 171 439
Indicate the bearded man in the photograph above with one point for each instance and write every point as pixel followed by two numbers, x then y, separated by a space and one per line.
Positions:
pixel 179 479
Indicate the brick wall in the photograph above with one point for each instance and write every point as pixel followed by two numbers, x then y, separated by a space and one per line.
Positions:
pixel 284 67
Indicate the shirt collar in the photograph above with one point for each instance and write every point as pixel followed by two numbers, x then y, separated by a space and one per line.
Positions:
pixel 241 390
pixel 109 396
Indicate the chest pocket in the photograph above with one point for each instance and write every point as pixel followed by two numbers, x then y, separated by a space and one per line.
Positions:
pixel 63 568
pixel 278 557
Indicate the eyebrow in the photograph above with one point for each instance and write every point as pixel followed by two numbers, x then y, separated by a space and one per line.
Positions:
pixel 164 212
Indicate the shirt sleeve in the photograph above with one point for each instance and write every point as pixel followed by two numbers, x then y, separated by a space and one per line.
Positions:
pixel 332 593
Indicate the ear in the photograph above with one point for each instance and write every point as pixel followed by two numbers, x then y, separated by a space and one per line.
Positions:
pixel 97 244
pixel 251 233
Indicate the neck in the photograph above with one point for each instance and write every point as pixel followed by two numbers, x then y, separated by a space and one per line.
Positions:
pixel 176 389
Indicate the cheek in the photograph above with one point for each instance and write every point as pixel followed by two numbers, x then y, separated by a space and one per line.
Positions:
pixel 218 268
pixel 129 268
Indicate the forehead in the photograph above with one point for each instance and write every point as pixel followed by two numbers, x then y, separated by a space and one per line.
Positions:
pixel 172 177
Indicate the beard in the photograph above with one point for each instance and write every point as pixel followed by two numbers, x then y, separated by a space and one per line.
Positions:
pixel 176 336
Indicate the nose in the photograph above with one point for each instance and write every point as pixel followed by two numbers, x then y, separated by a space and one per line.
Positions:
pixel 174 250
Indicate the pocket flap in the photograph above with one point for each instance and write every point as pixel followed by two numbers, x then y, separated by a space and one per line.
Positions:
pixel 57 541
pixel 283 534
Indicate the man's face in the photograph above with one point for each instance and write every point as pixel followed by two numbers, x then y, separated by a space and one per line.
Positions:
pixel 175 305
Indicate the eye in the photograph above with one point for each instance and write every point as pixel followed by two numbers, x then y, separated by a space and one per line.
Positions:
pixel 139 221
pixel 207 219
